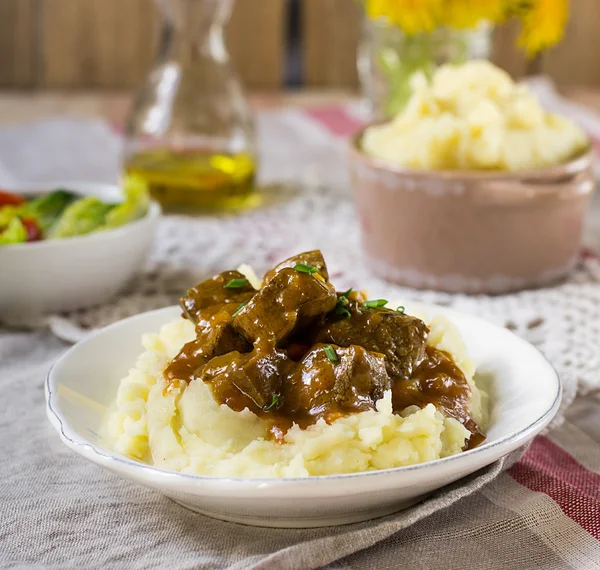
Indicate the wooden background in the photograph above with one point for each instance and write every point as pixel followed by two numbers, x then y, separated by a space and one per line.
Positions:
pixel 96 44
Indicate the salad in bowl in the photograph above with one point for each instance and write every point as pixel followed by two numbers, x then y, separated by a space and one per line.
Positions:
pixel 63 213
pixel 67 246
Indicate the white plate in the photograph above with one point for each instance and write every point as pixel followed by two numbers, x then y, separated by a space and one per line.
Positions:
pixel 525 395
pixel 73 273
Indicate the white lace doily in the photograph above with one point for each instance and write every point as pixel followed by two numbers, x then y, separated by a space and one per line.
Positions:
pixel 562 321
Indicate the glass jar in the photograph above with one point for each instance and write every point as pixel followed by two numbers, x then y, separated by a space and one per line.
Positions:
pixel 388 57
pixel 190 134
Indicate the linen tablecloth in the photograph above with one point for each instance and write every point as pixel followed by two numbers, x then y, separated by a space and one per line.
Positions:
pixel 58 511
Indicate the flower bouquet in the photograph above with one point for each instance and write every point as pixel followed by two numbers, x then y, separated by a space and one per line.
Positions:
pixel 402 37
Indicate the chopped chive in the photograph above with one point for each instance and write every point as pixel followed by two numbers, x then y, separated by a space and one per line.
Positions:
pixel 375 303
pixel 340 307
pixel 236 284
pixel 302 268
pixel 341 311
pixel 331 353
pixel 400 309
pixel 347 293
pixel 240 307
pixel 273 402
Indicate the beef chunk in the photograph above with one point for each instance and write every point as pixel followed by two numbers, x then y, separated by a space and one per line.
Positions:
pixel 213 292
pixel 291 299
pixel 214 336
pixel 246 380
pixel 211 305
pixel 400 338
pixel 314 258
pixel 215 326
pixel 324 387
pixel 439 381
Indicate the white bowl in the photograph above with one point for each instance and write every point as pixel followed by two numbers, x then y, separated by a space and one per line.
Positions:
pixel 53 276
pixel 82 385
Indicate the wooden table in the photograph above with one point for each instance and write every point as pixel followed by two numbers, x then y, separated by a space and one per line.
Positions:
pixel 16 106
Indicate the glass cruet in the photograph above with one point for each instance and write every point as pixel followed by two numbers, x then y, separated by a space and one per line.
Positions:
pixel 190 133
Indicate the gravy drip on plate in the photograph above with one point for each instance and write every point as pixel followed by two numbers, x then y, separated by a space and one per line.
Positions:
pixel 297 351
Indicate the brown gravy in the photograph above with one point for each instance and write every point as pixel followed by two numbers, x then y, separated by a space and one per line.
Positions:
pixel 436 381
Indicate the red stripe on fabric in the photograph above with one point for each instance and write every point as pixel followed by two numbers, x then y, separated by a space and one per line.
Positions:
pixel 117 127
pixel 335 119
pixel 547 468
pixel 588 253
pixel 549 456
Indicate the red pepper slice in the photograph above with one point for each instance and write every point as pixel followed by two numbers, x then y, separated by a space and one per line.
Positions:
pixel 10 199
pixel 34 232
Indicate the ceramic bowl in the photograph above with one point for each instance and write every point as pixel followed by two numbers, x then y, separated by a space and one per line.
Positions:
pixel 467 231
pixel 62 275
pixel 524 389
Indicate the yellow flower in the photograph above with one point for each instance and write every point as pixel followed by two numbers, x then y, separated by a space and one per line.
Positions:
pixel 543 20
pixel 543 24
pixel 468 13
pixel 412 16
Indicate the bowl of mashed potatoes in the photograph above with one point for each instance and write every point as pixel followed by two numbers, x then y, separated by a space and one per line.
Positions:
pixel 283 402
pixel 473 187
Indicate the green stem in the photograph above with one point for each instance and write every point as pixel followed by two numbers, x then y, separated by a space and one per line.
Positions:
pixel 418 52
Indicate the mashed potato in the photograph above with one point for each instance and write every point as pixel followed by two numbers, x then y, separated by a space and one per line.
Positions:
pixel 471 117
pixel 184 429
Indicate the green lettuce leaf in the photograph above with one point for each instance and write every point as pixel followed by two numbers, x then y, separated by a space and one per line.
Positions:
pixel 15 232
pixel 81 217
pixel 47 209
pixel 7 214
pixel 135 205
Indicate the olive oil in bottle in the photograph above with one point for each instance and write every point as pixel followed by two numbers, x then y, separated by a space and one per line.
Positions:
pixel 195 179
pixel 190 132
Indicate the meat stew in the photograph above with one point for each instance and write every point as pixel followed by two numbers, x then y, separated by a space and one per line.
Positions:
pixel 296 351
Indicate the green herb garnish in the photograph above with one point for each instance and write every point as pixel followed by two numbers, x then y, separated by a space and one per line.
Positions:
pixel 241 306
pixel 340 307
pixel 273 402
pixel 375 303
pixel 341 311
pixel 236 284
pixel 302 268
pixel 331 353
pixel 342 302
pixel 400 309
